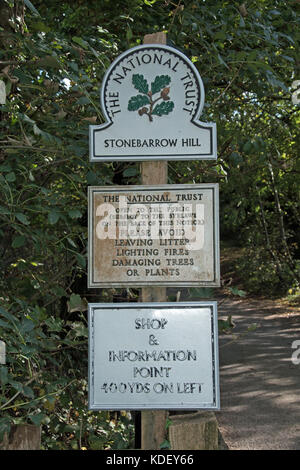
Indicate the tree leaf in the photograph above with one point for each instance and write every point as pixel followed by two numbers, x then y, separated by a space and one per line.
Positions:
pixel 81 260
pixel 81 42
pixel 129 172
pixel 165 445
pixel 31 7
pixel 40 26
pixel 22 218
pixel 45 135
pixel 10 177
pixel 28 392
pixel 92 178
pixel 74 214
pixel 17 386
pixel 161 81
pixel 236 291
pixel 140 83
pixel 7 315
pixel 83 100
pixel 71 242
pixel 77 304
pixel 235 158
pixel 37 419
pixel 27 325
pixel 247 147
pixel 54 324
pixel 202 292
pixel 222 61
pixel 53 217
pixel 18 241
pixel 3 375
pixel 137 102
pixel 4 211
pixel 78 328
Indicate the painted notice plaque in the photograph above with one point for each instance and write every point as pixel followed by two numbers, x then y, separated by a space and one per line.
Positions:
pixel 153 356
pixel 164 235
pixel 152 97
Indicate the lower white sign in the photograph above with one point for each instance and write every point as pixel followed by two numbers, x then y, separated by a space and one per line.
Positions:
pixel 153 356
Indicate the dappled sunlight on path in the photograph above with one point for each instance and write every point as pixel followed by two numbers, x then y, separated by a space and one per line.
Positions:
pixel 260 385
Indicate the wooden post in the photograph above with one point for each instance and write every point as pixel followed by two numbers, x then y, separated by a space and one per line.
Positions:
pixel 153 423
pixel 22 437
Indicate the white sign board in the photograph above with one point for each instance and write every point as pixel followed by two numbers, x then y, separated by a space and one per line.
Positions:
pixel 164 235
pixel 2 92
pixel 152 97
pixel 153 356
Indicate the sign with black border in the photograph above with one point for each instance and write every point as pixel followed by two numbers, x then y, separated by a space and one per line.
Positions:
pixel 152 97
pixel 125 250
pixel 153 356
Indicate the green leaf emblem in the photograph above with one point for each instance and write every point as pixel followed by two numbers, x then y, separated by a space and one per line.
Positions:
pixel 137 102
pixel 165 107
pixel 147 102
pixel 140 83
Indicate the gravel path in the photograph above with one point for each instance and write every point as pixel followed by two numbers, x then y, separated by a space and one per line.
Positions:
pixel 260 385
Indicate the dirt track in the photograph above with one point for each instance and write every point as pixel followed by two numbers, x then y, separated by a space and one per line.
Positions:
pixel 260 386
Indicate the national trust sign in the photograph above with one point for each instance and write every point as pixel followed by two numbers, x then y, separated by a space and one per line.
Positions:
pixel 152 97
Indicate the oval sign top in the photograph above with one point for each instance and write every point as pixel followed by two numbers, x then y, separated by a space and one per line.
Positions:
pixel 152 97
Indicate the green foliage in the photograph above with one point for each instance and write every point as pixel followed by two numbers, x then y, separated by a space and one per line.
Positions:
pixel 165 444
pixel 293 296
pixel 52 85
pixel 236 291
pixel 225 326
pixel 264 275
pixel 129 172
pixel 247 58
pixel 201 292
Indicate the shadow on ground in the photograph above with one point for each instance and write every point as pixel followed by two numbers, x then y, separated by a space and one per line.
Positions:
pixel 260 385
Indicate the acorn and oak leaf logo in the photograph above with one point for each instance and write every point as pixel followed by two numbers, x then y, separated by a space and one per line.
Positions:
pixel 146 102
